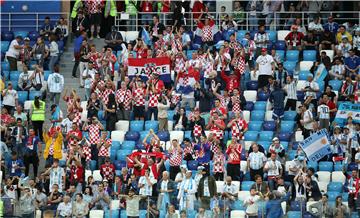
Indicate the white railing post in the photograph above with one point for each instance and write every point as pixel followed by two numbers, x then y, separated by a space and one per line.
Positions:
pixel 37 22
pixel 9 21
pixel 247 21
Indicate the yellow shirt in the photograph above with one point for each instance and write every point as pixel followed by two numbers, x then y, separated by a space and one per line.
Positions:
pixel 56 147
pixel 339 37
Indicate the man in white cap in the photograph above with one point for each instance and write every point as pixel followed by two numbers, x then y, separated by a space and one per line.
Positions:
pixel 187 191
pixel 199 174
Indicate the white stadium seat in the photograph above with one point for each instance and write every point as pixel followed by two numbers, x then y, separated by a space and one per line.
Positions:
pixel 170 125
pixel 237 185
pixel 281 34
pixel 324 176
pixel 308 204
pixel 269 116
pixel 246 115
pixel 179 135
pixel 250 95
pixel 323 186
pixel 329 53
pixel 114 204
pixel 219 186
pixel 27 105
pixel 300 85
pixel 243 195
pixel 237 214
pixel 248 145
pixel 96 213
pixel 287 165
pixel 299 137
pixel 306 65
pixel 122 125
pixel 87 174
pixel 118 135
pixel 97 176
pixel 131 35
pixel 243 166
pixel 338 176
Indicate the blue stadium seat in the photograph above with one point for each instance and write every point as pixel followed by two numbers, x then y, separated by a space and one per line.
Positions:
pixel 265 144
pixel 249 106
pixel 339 167
pixel 189 54
pixel 281 54
pixel 33 35
pixel 272 36
pixel 280 45
pixel 240 34
pixel 14 75
pixel 263 96
pixel 304 74
pixel 292 55
pixel 143 134
pixel 255 125
pixel 192 164
pixel 21 33
pixel 257 115
pixel 260 106
pixel 22 96
pixel 164 136
pixel 309 55
pixel 251 135
pixel 93 165
pixel 321 86
pixel 294 214
pixel 33 94
pixel 352 166
pixel 246 185
pixel 326 166
pixel 345 196
pixel 47 74
pixel 137 125
pixel 269 126
pixel 142 213
pixel 252 85
pixel 285 145
pixel 287 126
pixel 297 205
pixel 122 154
pixel 152 124
pixel 5 66
pixel 266 136
pixel 132 136
pixel 171 114
pixel 295 145
pixel 313 164
pixel 7 35
pixel 119 164
pixel 5 45
pixel 335 187
pixel 6 74
pixel 336 84
pixel 113 213
pixel 238 205
pixel 285 136
pixel 291 154
pixel 101 115
pixel 289 115
pixel 128 145
pixel 333 195
pixel 123 214
pixel 290 65
pixel 116 66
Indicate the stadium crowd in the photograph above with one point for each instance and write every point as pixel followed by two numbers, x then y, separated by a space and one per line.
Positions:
pixel 200 145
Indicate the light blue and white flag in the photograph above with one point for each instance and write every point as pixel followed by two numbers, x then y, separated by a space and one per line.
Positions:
pixel 320 73
pixel 316 146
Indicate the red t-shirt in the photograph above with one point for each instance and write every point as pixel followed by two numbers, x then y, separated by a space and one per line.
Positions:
pixel 331 106
pixel 197 8
pixel 146 7
pixel 166 8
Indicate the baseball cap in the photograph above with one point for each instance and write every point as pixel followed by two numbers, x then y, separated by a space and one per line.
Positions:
pixel 263 50
pixel 26 39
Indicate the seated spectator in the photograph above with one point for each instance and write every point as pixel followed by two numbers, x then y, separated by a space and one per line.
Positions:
pixel 340 209
pixel 274 169
pixel 347 89
pixel 316 26
pixel 311 41
pixel 327 41
pixel 261 39
pixel 331 26
pixel 261 188
pixel 344 46
pixel 294 40
pixel 65 208
pixel 341 33
pixel 337 70
pixel 46 28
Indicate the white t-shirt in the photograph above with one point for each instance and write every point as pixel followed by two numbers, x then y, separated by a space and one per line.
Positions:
pixel 54 49
pixel 224 56
pixel 357 157
pixel 273 167
pixel 314 86
pixel 252 206
pixel 10 97
pixel 146 189
pixel 65 209
pixel 308 116
pixel 265 64
pixel 324 111
pixel 13 52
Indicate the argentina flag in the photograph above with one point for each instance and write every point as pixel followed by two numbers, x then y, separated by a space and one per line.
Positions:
pixel 316 146
pixel 320 73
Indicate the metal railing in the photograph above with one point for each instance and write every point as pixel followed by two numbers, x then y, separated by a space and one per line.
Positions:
pixel 274 21
pixel 35 20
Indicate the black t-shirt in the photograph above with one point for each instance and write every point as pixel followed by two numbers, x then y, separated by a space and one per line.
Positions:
pixel 92 110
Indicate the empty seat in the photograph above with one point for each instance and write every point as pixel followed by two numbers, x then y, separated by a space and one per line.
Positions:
pixel 324 176
pixel 290 65
pixel 263 96
pixel 289 115
pixel 269 116
pixel 257 115
pixel 22 96
pixel 240 34
pixel 338 176
pixel 323 186
pixel 192 165
pixel 246 185
pixel 46 74
pixel 118 135
pixel 287 126
pixel 122 154
pixel 128 145
pixel 255 125
pixel 281 54
pixel 269 126
pixel 23 34
pixel 249 106
pixel 179 135
pixel 137 125
pixel 33 94
pixel 122 125
pixel 306 65
pixel 251 135
pixel 309 55
pixel 14 75
pixel 266 136
pixel 246 115
pixel 336 84
pixel 115 145
pixel 151 124
pixel 131 35
pixel 303 75
pixel 250 95
pixel 285 136
pixel 292 55
pixel 132 136
pixel 333 195
pixel 335 186
pixel 5 45
pixel 272 36
pixel 252 85
pixel 297 206
pixel 170 114
pixel 96 213
pixel 326 166
pixel 313 165
pixel 164 135
pixel 281 34
pixel 280 45
pixel 97 176
pixel 265 144
pixel 33 35
pixel 260 105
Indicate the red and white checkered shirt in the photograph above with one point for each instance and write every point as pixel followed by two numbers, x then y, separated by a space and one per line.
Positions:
pixel 188 149
pixel 235 104
pixel 107 171
pixel 94 133
pixel 219 163
pixel 176 45
pixel 238 126
pixel 207 67
pixel 234 154
pixel 51 148
pixel 214 148
pixel 218 133
pixel 94 6
pixel 207 35
pixel 175 158
pixel 77 133
pixel 105 95
pixel 197 130
pixel 124 97
pixel 103 151
pixel 239 64
pixel 153 99
pixel 224 101
pixel 96 85
pixel 139 96
pixel 179 64
pixel 87 151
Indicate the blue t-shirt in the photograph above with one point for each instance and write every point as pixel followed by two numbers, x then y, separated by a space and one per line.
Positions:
pixel 12 164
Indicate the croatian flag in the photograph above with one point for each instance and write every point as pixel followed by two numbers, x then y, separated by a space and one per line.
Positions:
pixel 316 146
pixel 185 84
pixel 144 67
pixel 320 73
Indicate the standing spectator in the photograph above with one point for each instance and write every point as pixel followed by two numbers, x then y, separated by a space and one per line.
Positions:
pixel 255 162
pixel 54 51
pixel 62 30
pixel 265 65
pixel 261 39
pixel 311 89
pixel 103 146
pixel 238 126
pixel 347 89
pixel 15 165
pixel 25 53
pixel 124 100
pixel 163 107
pixel 27 203
pixel 80 24
pixel 234 157
pixel 55 85
pixel 95 14
pixel 294 40
pixel 31 147
pixel 353 189
pixel 132 203
pixel 277 98
pixel 37 114
pixel 203 152
pixel 175 158
pixel 107 170
pixel 323 115
pixel 307 120
pixel 251 204
pixel 316 26
pixel 10 98
pixel 280 75
pixel 53 140
pixel 156 29
pixel 84 60
pixel 187 192
pixel 206 189
pixel 274 169
pixel 47 28
pixel 110 111
pixel 77 51
pixel 207 31
pixel 146 8
pixel 180 119
pixel 165 188
pixel 131 9
pixel 13 52
pixel 146 183
pixel 40 51
pixel 101 200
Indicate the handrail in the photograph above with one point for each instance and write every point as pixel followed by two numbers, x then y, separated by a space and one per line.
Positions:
pixel 27 22
pixel 278 19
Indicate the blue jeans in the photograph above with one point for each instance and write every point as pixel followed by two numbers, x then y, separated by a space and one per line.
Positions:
pixel 52 62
